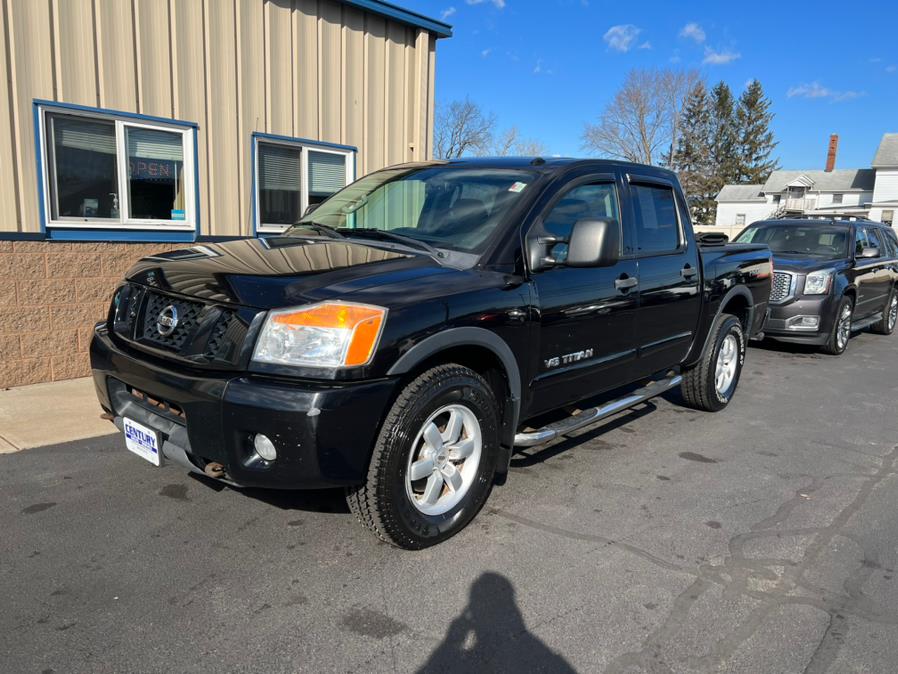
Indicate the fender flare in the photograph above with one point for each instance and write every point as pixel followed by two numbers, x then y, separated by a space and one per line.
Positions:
pixel 730 294
pixel 471 336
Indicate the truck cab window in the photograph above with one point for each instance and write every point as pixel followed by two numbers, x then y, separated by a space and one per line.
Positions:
pixel 860 241
pixel 596 201
pixel 657 227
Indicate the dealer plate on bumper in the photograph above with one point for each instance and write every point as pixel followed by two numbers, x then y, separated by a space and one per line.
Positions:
pixel 142 441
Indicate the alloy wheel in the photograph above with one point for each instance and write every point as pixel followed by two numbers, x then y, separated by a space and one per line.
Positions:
pixel 727 360
pixel 444 459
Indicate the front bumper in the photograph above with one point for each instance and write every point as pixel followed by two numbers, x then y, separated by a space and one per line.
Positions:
pixel 782 316
pixel 324 434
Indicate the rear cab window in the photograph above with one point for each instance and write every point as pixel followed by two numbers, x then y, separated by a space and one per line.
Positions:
pixel 657 225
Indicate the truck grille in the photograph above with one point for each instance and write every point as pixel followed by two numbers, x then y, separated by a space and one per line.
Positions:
pixel 205 334
pixel 781 290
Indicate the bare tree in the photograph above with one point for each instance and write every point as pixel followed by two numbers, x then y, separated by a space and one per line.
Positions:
pixel 460 128
pixel 510 143
pixel 642 123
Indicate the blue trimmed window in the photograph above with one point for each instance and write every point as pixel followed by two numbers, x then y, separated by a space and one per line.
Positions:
pixel 290 174
pixel 105 173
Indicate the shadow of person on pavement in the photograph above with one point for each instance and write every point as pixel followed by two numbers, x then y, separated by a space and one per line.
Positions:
pixel 490 635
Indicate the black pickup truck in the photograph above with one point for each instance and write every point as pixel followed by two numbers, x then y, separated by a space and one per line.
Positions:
pixel 404 337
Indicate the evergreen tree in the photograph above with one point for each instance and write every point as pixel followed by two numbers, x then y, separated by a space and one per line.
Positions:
pixel 693 157
pixel 724 136
pixel 756 141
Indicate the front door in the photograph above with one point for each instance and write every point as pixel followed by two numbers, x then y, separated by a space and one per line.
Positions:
pixel 669 274
pixel 869 295
pixel 881 282
pixel 586 339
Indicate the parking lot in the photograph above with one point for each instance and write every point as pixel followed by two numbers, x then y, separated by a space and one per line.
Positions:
pixel 761 539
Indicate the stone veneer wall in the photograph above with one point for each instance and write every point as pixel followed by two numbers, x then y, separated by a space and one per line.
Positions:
pixel 51 295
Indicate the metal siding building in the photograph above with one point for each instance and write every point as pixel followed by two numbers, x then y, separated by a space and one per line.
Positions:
pixel 358 74
pixel 129 127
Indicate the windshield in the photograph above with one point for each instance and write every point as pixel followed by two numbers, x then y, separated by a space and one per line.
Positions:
pixel 441 206
pixel 814 240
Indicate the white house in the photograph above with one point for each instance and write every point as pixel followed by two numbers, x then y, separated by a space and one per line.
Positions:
pixel 859 193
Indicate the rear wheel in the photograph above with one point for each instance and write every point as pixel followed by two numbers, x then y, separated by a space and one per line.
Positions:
pixel 711 383
pixel 886 325
pixel 432 467
pixel 841 330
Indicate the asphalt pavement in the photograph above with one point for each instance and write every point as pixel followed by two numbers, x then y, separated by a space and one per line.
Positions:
pixel 760 539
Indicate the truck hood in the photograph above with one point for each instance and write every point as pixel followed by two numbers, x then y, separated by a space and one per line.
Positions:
pixel 282 271
pixel 803 264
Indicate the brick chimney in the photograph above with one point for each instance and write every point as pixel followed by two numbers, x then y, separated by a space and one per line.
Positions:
pixel 831 152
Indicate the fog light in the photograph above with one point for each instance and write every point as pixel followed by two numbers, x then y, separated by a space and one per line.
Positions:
pixel 265 447
pixel 803 323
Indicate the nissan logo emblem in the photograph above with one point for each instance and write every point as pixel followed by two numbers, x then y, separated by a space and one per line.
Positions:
pixel 167 320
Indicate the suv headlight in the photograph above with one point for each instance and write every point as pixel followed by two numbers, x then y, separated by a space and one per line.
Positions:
pixel 330 334
pixel 818 282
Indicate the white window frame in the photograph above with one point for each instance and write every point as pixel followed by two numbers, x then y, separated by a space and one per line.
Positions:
pixel 304 147
pixel 124 221
pixel 740 215
pixel 839 200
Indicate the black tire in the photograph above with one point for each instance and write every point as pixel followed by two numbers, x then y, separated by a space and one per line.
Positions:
pixel 383 503
pixel 835 346
pixel 699 385
pixel 886 325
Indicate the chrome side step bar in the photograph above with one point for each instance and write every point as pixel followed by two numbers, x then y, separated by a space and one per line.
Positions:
pixel 866 322
pixel 594 414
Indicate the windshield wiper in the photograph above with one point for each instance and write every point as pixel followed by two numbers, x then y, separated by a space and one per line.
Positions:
pixel 370 232
pixel 327 229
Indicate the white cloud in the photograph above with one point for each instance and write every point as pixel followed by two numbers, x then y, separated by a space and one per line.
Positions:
pixel 817 90
pixel 540 69
pixel 875 59
pixel 486 52
pixel 692 31
pixel 446 13
pixel 717 58
pixel 891 68
pixel 499 4
pixel 621 37
pixel 645 45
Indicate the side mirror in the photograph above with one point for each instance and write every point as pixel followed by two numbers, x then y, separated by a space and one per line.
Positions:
pixel 870 251
pixel 594 243
pixel 310 208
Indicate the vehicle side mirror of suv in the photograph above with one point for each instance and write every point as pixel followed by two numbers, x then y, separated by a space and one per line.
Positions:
pixel 594 243
pixel 870 251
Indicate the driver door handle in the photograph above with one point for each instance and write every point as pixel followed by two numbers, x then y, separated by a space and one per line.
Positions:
pixel 626 283
pixel 687 272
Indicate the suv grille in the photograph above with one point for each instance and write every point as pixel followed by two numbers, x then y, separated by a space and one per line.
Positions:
pixel 205 334
pixel 781 290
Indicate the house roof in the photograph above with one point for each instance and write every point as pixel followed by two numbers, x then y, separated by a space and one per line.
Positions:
pixel 887 152
pixel 740 193
pixel 840 180
pixel 438 28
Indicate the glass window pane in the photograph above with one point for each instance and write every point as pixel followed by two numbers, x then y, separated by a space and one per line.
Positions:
pixel 327 175
pixel 279 184
pixel 657 229
pixel 156 180
pixel 82 167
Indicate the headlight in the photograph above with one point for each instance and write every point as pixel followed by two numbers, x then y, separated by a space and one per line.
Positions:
pixel 330 334
pixel 818 282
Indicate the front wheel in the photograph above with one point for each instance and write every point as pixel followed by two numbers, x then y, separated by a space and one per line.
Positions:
pixel 432 467
pixel 710 384
pixel 841 330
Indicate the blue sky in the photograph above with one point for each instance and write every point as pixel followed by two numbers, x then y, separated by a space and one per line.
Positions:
pixel 548 66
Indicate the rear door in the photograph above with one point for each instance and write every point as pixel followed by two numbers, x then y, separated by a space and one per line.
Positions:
pixel 586 338
pixel 669 274
pixel 881 281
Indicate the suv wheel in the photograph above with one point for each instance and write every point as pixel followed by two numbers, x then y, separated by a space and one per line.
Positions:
pixel 432 467
pixel 841 331
pixel 886 325
pixel 711 383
